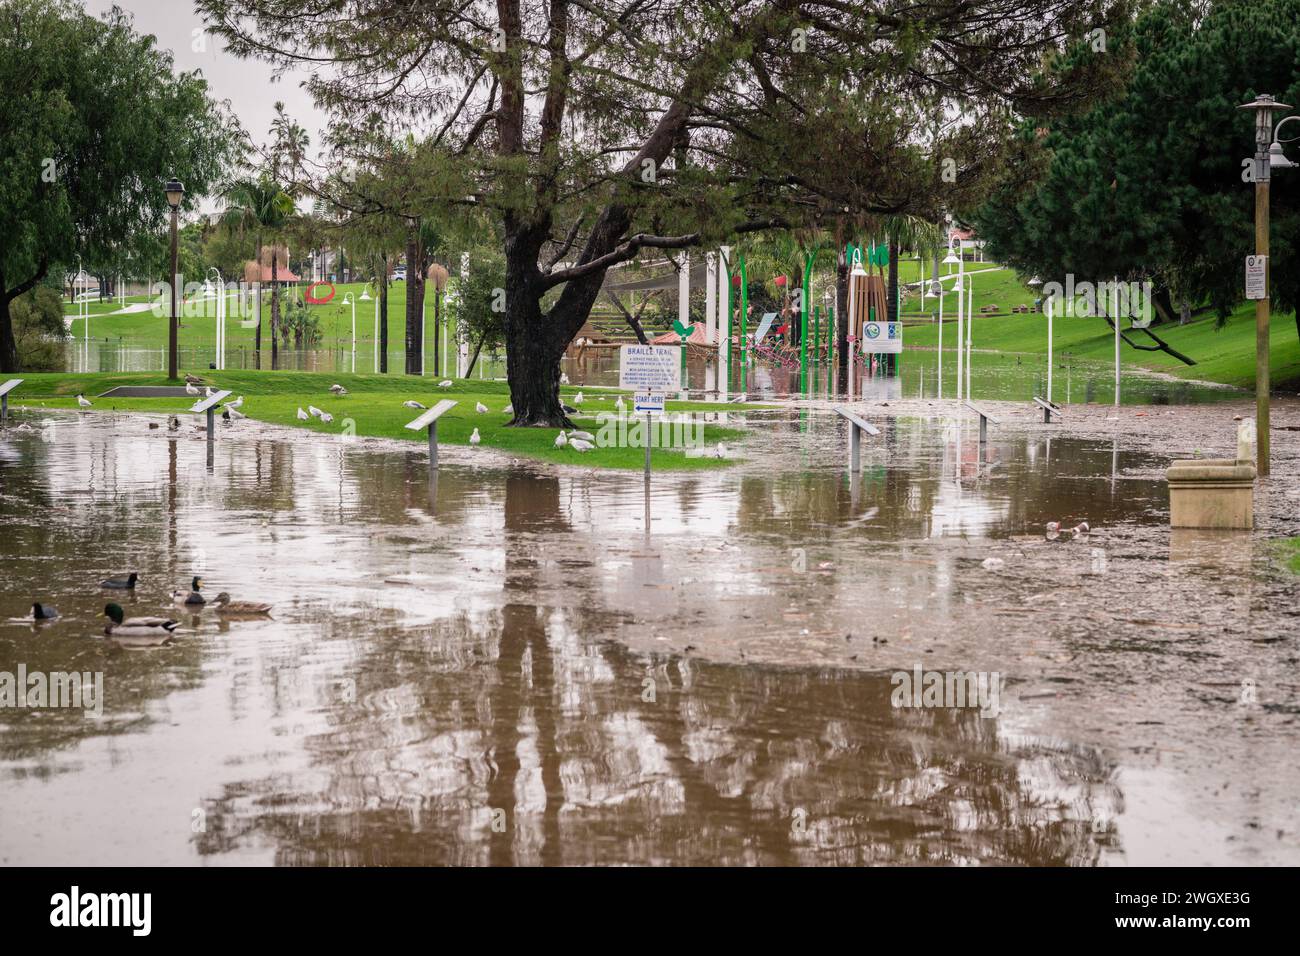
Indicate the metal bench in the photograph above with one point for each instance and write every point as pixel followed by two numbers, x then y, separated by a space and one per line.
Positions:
pixel 429 420
pixel 857 427
pixel 5 389
pixel 985 418
pixel 1049 409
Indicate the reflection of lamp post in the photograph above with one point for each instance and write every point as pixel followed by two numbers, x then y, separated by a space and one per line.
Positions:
pixel 1268 153
pixel 175 192
pixel 348 300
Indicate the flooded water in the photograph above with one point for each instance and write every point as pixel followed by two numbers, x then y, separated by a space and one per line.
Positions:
pixel 507 665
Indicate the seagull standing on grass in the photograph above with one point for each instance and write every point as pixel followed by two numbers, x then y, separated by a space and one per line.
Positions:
pixel 313 411
pixel 326 417
pixel 445 383
pixel 580 444
pixel 338 390
pixel 412 404
pixel 582 436
pixel 237 403
pixel 302 416
pixel 577 399
pixel 561 439
pixel 480 407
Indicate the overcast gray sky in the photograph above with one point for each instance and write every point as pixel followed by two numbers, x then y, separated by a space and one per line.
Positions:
pixel 246 83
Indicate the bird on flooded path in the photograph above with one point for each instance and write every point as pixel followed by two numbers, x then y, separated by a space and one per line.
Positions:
pixel 83 401
pixel 123 582
pixel 474 439
pixel 44 612
pixel 191 598
pixel 224 605
pixel 135 632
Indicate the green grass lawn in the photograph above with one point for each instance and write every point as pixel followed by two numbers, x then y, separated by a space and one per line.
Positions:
pixel 374 408
pixel 1225 355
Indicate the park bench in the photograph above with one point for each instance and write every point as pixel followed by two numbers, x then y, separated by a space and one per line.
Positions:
pixel 857 427
pixel 985 418
pixel 5 389
pixel 1049 409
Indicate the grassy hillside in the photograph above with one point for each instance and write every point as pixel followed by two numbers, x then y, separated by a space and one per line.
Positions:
pixel 374 407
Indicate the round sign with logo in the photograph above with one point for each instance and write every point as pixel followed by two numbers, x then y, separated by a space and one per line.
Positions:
pixel 872 330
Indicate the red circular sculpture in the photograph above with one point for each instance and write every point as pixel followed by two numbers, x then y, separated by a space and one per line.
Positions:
pixel 310 294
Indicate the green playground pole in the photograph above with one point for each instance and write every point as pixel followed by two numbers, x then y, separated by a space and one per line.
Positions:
pixel 744 316
pixel 727 331
pixel 817 334
pixel 803 331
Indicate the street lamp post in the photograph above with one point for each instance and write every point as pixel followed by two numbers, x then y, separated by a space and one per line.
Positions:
pixel 348 300
pixel 220 318
pixel 365 297
pixel 1268 153
pixel 175 192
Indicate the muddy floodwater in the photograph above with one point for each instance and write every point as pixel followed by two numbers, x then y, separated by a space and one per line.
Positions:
pixel 508 666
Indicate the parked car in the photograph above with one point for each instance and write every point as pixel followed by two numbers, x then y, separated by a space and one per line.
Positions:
pixel 399 275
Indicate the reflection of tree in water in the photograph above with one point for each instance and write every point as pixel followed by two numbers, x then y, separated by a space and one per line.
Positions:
pixel 515 712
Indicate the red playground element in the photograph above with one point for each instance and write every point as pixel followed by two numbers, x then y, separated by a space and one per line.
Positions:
pixel 310 294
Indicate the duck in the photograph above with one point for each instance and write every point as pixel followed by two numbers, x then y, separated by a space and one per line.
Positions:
pixel 474 439
pixel 302 416
pixel 83 401
pixel 137 631
pixel 568 409
pixel 192 597
pixel 44 612
pixel 123 582
pixel 413 404
pixel 224 605
pixel 193 379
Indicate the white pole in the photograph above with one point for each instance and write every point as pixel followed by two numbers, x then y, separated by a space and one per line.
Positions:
pixel 1049 349
pixel 354 336
pixel 940 343
pixel 961 333
pixel 424 309
pixel 221 322
pixel 376 334
pixel 710 294
pixel 1114 311
pixel 970 333
pixel 724 324
pixel 462 351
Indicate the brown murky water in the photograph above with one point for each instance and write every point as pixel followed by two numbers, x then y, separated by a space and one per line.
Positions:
pixel 503 667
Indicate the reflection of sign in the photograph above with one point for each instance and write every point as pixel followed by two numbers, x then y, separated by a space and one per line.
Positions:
pixel 1257 277
pixel 650 368
pixel 882 337
pixel 310 294
pixel 648 401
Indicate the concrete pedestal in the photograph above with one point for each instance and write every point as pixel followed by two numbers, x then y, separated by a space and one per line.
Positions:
pixel 1212 493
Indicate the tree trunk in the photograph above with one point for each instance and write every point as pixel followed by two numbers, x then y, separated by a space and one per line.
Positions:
pixel 257 307
pixel 8 344
pixel 842 312
pixel 383 316
pixel 414 306
pixel 275 307
pixel 533 352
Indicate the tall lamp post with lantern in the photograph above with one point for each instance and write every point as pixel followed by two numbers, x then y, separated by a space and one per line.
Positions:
pixel 1268 156
pixel 175 193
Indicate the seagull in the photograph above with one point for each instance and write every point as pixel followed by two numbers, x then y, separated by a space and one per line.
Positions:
pixel 237 403
pixel 577 399
pixel 564 379
pixel 581 445
pixel 193 379
pixel 721 451
pixel 313 411
pixel 83 401
pixel 561 439
pixel 509 409
pixel 619 403
pixel 445 383
pixel 190 389
pixel 474 439
pixel 302 416
pixel 412 404
pixel 207 392
pixel 582 436
pixel 338 390
pixel 739 398
pixel 326 417
pixel 480 407
pixel 231 413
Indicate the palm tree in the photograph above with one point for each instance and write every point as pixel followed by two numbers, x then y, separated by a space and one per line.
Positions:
pixel 261 205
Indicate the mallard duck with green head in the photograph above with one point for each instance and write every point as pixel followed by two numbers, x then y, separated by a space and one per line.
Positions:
pixel 137 631
pixel 191 598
